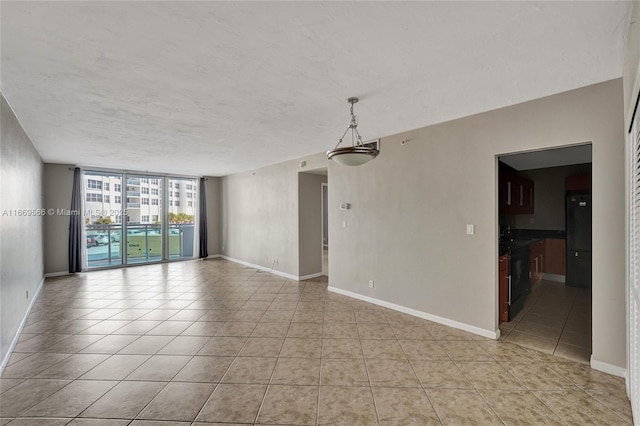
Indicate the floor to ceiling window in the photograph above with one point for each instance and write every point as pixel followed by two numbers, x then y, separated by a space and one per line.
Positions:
pixel 103 209
pixel 181 217
pixel 137 218
pixel 144 219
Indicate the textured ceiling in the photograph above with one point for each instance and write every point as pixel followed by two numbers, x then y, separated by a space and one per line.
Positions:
pixel 212 88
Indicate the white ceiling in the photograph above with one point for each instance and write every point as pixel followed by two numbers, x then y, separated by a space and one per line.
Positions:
pixel 212 88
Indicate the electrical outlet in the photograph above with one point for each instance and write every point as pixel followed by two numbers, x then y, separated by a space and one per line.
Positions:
pixel 370 283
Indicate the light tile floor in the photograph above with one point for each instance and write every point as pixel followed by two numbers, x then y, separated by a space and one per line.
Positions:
pixel 556 319
pixel 208 342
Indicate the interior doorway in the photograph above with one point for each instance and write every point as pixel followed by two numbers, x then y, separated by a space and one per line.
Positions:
pixel 544 242
pixel 311 223
pixel 325 229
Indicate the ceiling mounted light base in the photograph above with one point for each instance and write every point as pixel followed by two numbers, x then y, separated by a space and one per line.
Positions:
pixel 356 154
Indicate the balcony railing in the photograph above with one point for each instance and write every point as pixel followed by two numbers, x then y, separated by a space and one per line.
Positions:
pixel 143 243
pixel 133 181
pixel 133 193
pixel 133 205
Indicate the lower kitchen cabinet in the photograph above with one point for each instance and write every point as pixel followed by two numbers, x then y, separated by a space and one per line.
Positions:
pixel 503 287
pixel 555 259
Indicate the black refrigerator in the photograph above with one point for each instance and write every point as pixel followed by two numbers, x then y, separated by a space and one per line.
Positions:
pixel 578 211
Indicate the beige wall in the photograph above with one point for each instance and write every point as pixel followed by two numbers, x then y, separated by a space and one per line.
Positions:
pixel 310 223
pixel 260 215
pixel 549 193
pixel 214 217
pixel 631 76
pixel 58 184
pixel 21 226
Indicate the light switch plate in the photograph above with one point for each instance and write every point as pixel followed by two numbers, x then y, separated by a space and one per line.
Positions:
pixel 470 229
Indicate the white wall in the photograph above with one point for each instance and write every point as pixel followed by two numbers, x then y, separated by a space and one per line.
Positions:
pixel 58 184
pixel 21 251
pixel 310 223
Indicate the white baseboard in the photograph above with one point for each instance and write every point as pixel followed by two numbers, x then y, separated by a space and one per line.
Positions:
pixel 440 320
pixel 554 277
pixel 56 274
pixel 14 342
pixel 262 268
pixel 608 368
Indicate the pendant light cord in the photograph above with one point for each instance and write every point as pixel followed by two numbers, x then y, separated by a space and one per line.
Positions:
pixel 356 139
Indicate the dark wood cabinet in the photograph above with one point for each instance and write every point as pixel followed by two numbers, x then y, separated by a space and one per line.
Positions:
pixel 578 183
pixel 516 194
pixel 503 287
pixel 536 261
pixel 555 259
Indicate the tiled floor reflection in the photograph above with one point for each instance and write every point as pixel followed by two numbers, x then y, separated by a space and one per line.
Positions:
pixel 556 319
pixel 213 342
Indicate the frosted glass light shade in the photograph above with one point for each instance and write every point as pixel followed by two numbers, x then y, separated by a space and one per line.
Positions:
pixel 353 155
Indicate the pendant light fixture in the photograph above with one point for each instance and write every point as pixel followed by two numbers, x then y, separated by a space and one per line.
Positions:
pixel 356 154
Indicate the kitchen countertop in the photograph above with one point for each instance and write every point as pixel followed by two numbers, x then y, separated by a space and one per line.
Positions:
pixel 524 234
pixel 522 238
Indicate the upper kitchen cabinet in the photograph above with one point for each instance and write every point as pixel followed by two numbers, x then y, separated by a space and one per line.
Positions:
pixel 578 183
pixel 516 194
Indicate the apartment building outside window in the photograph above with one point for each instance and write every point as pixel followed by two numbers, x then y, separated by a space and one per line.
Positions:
pixel 154 201
pixel 94 184
pixel 144 190
pixel 117 187
pixel 94 198
pixel 117 199
pixel 145 201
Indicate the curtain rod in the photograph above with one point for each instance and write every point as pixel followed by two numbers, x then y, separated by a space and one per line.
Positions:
pixel 132 172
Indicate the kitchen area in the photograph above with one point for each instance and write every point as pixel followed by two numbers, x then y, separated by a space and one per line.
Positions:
pixel 544 258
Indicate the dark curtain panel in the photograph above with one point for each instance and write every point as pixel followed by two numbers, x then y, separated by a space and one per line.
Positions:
pixel 75 225
pixel 202 221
